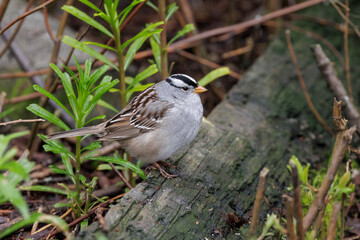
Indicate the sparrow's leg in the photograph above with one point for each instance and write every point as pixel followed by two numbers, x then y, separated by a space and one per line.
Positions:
pixel 161 170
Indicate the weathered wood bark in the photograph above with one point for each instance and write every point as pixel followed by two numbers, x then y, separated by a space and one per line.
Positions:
pixel 263 121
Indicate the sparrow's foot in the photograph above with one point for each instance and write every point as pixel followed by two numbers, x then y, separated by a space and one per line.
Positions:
pixel 161 170
pixel 166 164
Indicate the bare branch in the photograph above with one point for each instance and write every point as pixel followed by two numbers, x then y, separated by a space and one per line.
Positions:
pixel 336 85
pixel 303 86
pixel 24 15
pixel 333 221
pixel 297 202
pixel 289 203
pixel 258 200
pixel 342 141
pixel 21 121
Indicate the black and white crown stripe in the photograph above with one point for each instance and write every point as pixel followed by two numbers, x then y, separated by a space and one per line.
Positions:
pixel 183 78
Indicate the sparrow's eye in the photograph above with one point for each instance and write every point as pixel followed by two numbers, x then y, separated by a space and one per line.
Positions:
pixel 185 89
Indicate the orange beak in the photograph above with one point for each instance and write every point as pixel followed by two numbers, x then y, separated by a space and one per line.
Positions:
pixel 199 89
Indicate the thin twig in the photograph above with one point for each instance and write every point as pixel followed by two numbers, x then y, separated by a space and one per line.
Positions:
pixel 25 15
pixel 318 20
pixel 333 221
pixel 121 176
pixel 107 149
pixel 3 7
pixel 258 201
pixel 15 32
pixel 239 51
pixel 343 198
pixel 303 85
pixel 318 224
pixel 336 85
pixel 344 17
pixel 313 35
pixel 46 20
pixel 289 203
pixel 206 62
pixel 297 202
pixel 342 141
pixel 21 121
pixel 163 40
pixel 346 51
pixel 2 100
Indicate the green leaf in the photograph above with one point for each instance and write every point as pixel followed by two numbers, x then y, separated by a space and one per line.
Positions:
pixel 13 178
pixel 126 11
pixel 211 76
pixel 8 111
pixel 150 4
pixel 96 75
pixel 104 104
pixel 108 167
pixel 86 18
pixel 188 28
pixel 57 170
pixel 306 174
pixel 172 8
pixel 103 16
pixel 137 88
pixel 92 52
pixel 87 71
pixel 15 167
pixel 147 32
pixel 82 178
pixel 61 204
pixel 100 45
pixel 155 46
pixel 8 156
pixel 41 112
pixel 91 146
pixel 132 51
pixel 95 118
pixel 4 140
pixel 112 90
pixel 41 188
pixel 66 81
pixel 55 220
pixel 344 180
pixel 121 162
pixel 91 5
pixel 10 192
pixel 149 71
pixel 55 146
pixel 52 97
pixel 105 85
pixel 68 166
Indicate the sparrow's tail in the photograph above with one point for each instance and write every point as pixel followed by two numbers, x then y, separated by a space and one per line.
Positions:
pixel 97 129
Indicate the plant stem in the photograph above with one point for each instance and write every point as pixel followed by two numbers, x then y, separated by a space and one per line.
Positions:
pixel 77 171
pixel 163 43
pixel 120 59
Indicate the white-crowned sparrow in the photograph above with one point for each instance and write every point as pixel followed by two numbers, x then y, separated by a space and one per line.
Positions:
pixel 155 124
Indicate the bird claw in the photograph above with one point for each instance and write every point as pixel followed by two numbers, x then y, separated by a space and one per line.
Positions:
pixel 161 170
